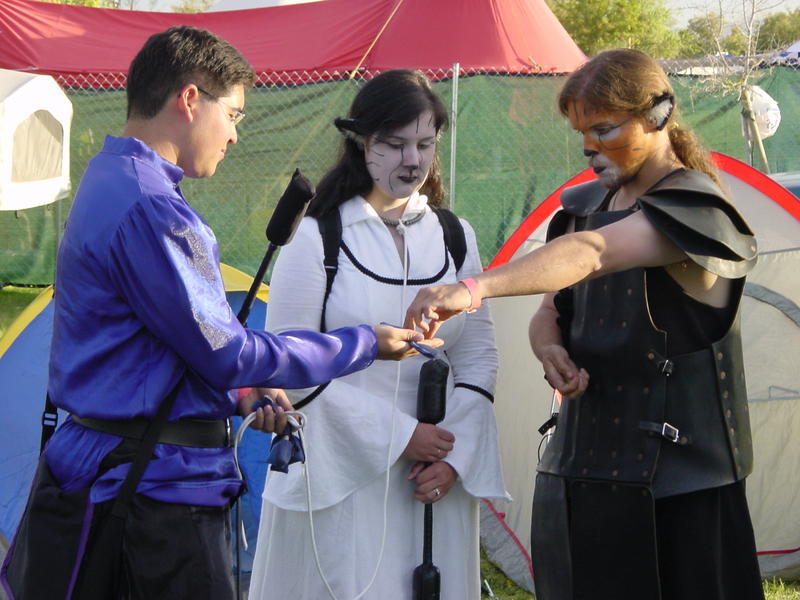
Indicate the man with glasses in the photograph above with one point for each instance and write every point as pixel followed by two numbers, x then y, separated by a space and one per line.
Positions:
pixel 141 316
pixel 640 491
pixel 234 114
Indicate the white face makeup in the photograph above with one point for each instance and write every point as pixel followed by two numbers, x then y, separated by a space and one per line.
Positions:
pixel 400 160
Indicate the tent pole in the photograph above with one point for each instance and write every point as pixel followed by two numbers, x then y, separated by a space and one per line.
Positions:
pixel 754 138
pixel 453 131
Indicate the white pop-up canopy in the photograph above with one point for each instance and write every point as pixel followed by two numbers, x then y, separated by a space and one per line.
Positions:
pixel 35 117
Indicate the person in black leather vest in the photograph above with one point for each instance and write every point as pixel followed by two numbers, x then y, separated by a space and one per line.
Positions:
pixel 640 491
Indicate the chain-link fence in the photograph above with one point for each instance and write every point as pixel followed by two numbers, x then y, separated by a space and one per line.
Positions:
pixel 507 150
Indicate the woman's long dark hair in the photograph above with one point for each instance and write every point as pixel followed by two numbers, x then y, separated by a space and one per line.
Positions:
pixel 387 102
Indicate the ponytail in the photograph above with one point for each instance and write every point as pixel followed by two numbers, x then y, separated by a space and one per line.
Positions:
pixel 691 152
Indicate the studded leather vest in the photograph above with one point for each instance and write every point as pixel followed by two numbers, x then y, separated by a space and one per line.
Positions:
pixel 675 424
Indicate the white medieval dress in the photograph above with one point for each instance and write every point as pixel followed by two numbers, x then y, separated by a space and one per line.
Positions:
pixel 350 423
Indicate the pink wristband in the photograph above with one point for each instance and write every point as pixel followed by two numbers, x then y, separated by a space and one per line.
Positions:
pixel 472 286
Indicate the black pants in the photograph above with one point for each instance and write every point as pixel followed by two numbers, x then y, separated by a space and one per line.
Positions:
pixel 706 546
pixel 168 551
pixel 696 546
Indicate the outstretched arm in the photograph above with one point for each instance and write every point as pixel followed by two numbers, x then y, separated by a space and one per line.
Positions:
pixel 565 261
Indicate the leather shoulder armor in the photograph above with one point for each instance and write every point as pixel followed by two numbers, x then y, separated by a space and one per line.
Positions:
pixel 578 201
pixel 693 213
pixel 583 199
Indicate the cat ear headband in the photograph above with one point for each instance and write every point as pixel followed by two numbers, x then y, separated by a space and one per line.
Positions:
pixel 351 129
pixel 661 110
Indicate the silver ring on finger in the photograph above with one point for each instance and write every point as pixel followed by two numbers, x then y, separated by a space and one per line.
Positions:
pixel 437 492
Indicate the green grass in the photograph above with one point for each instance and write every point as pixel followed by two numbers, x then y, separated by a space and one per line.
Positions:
pixel 777 589
pixel 12 301
pixel 504 588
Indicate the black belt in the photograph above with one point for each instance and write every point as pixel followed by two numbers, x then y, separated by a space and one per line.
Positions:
pixel 198 433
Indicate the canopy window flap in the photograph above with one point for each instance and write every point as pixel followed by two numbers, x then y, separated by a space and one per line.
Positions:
pixel 38 148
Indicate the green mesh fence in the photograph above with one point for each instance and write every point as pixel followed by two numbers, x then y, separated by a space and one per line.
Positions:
pixel 513 149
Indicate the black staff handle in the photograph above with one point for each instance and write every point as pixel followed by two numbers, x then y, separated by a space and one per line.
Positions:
pixel 431 398
pixel 281 227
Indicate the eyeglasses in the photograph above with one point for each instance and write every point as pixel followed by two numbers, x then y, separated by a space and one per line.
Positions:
pixel 237 115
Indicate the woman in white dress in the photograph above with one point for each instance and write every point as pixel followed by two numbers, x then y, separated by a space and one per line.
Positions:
pixel 364 425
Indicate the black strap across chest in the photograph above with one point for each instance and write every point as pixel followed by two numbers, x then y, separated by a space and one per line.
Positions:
pixel 330 228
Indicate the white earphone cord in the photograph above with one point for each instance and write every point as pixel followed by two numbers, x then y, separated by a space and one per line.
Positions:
pixel 388 460
pixel 301 420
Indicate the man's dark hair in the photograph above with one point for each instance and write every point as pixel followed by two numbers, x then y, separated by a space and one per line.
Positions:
pixel 180 55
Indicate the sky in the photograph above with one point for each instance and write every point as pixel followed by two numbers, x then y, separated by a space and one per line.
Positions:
pixel 683 10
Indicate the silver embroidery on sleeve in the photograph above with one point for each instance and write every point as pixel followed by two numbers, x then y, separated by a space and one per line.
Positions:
pixel 217 337
pixel 197 265
pixel 198 258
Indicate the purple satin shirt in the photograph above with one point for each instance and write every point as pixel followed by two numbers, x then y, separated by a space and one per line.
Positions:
pixel 140 302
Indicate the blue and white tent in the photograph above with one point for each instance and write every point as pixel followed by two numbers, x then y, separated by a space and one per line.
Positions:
pixel 789 56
